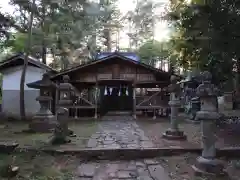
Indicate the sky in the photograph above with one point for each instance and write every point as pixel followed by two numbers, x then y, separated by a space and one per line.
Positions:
pixel 161 27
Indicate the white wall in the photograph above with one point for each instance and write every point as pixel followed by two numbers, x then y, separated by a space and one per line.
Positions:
pixel 12 76
pixel 11 90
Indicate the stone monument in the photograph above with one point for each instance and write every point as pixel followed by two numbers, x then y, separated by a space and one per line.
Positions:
pixel 66 91
pixel 174 133
pixel 207 163
pixel 44 120
pixel 61 129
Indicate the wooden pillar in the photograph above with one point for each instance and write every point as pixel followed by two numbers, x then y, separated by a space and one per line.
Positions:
pixel 134 102
pixel 154 104
pixel 56 99
pixel 154 110
pixel 96 101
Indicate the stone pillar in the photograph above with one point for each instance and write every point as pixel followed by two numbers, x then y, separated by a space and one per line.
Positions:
pixel 66 90
pixel 61 129
pixel 56 99
pixel 207 163
pixel 195 107
pixel 174 133
pixel 228 101
pixel 134 102
pixel 154 109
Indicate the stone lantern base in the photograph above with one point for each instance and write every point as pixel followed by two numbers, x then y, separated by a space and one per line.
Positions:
pixel 43 123
pixel 171 134
pixel 212 167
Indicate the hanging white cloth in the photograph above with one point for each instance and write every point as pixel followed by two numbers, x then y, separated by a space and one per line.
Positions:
pixel 105 91
pixel 110 89
pixel 119 92
pixel 127 91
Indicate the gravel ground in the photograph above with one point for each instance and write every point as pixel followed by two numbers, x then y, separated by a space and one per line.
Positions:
pixel 227 136
pixel 180 168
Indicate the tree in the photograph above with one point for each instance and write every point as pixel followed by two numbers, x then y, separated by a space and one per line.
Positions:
pixel 142 22
pixel 67 25
pixel 202 41
pixel 27 51
pixel 153 51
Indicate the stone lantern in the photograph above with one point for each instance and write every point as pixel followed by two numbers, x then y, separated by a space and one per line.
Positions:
pixel 66 91
pixel 208 114
pixel 174 103
pixel 44 120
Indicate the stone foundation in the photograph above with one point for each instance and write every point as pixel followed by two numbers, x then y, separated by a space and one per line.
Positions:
pixel 174 135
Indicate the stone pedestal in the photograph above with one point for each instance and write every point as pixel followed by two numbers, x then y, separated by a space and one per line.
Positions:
pixel 195 107
pixel 207 164
pixel 44 121
pixel 61 129
pixel 228 101
pixel 174 133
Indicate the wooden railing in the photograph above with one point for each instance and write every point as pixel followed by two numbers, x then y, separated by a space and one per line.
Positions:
pixel 156 101
pixel 155 104
pixel 83 102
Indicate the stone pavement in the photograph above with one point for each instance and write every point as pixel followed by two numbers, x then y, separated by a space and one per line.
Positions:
pixel 147 169
pixel 117 132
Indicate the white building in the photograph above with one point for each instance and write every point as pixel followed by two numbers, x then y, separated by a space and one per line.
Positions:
pixel 11 70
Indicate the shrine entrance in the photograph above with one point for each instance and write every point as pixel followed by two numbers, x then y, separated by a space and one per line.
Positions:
pixel 116 97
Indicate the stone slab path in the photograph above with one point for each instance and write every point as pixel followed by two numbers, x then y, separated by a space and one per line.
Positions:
pixel 147 169
pixel 117 132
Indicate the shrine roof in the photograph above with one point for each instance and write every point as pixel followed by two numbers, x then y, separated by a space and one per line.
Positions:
pixel 131 55
pixel 111 57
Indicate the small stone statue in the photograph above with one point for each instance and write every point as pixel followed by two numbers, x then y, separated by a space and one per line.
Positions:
pixel 174 103
pixel 207 92
pixel 61 129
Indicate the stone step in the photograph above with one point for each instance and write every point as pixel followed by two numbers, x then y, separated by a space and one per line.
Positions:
pixel 118 113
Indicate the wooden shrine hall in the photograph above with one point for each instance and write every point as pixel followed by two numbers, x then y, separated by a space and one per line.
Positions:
pixel 116 83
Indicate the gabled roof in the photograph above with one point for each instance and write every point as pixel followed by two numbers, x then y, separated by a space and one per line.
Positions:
pixel 130 55
pixel 112 56
pixel 18 60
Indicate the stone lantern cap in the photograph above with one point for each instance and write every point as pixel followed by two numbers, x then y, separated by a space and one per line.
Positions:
pixel 174 86
pixel 44 83
pixel 206 88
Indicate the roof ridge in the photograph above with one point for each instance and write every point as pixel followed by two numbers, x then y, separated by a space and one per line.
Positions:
pixel 31 60
pixel 115 54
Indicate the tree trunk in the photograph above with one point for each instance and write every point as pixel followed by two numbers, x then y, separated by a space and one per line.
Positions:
pixel 44 48
pixel 27 52
pixel 237 79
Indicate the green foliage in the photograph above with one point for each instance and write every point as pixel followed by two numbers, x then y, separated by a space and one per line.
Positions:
pixel 206 36
pixel 152 51
pixel 142 22
pixel 17 42
pixel 61 28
